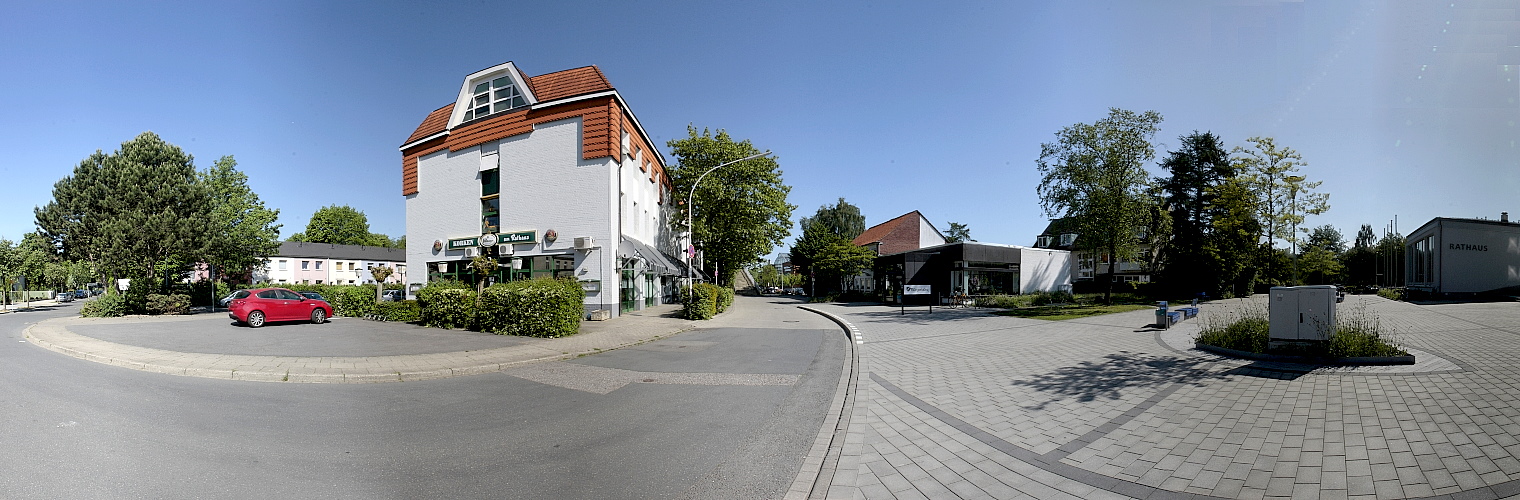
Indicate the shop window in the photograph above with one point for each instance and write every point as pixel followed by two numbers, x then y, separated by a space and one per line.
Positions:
pixel 494 96
pixel 490 215
pixel 490 182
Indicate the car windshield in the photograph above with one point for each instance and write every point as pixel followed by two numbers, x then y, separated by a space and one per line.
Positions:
pixel 313 295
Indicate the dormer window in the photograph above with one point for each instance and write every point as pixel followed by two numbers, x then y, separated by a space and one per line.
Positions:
pixel 1068 239
pixel 494 96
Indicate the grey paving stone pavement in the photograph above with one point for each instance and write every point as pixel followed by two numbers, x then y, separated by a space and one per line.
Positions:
pixel 966 404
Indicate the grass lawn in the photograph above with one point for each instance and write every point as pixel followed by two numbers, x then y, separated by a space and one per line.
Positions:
pixel 1059 313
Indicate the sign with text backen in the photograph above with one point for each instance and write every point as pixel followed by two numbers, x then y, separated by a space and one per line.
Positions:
pixel 917 289
pixel 459 243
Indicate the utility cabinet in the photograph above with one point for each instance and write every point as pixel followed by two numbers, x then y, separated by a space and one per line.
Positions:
pixel 1301 313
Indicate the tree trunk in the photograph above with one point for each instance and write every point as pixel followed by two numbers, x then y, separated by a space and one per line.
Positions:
pixel 1108 292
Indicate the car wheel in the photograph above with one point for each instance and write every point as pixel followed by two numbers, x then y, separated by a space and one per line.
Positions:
pixel 318 316
pixel 255 319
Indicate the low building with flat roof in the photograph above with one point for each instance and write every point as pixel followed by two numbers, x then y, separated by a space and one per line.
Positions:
pixel 975 268
pixel 1450 256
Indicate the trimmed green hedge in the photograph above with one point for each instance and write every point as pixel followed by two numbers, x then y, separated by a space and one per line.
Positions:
pixel 534 308
pixel 700 301
pixel 447 304
pixel 168 304
pixel 406 311
pixel 353 301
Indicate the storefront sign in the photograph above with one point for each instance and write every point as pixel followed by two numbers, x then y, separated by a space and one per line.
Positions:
pixel 459 243
pixel 520 237
pixel 591 285
pixel 1465 246
pixel 917 289
pixel 488 240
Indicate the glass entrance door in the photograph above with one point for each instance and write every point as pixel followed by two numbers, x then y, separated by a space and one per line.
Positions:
pixel 627 292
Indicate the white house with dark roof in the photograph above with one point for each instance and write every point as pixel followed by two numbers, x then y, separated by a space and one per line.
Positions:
pixel 551 176
pixel 329 264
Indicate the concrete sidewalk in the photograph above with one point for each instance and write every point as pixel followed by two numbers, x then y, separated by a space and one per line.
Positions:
pixel 628 329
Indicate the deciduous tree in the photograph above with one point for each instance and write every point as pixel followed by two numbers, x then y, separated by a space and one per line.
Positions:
pixel 1095 175
pixel 338 225
pixel 830 225
pixel 740 211
pixel 243 231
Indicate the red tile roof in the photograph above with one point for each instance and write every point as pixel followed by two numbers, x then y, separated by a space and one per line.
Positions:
pixel 434 123
pixel 568 83
pixel 546 87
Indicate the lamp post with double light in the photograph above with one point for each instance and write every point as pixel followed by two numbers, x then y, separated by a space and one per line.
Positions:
pixel 691 248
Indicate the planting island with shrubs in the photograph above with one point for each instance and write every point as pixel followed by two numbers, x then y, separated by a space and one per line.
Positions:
pixel 1356 335
pixel 532 308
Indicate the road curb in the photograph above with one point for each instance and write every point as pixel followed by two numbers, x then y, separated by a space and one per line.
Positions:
pixel 818 466
pixel 53 335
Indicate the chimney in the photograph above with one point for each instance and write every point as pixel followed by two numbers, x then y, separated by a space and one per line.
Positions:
pixel 1503 216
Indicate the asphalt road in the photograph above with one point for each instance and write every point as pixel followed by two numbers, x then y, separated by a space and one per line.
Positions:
pixel 76 429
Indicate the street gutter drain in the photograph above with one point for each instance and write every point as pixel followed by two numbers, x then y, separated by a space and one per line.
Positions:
pixel 649 380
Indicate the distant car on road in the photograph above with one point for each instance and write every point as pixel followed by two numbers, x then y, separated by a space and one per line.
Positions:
pixel 227 301
pixel 277 304
pixel 81 294
pixel 392 296
pixel 65 297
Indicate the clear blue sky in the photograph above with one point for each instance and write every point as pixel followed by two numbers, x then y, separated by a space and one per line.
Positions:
pixel 1401 108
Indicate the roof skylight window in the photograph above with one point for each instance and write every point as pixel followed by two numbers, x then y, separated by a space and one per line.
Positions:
pixel 494 96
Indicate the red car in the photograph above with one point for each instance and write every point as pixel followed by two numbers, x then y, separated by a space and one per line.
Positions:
pixel 277 304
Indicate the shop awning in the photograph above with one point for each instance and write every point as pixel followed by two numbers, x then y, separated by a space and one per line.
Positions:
pixel 630 248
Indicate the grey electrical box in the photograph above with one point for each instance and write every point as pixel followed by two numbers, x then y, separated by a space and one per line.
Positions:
pixel 1301 313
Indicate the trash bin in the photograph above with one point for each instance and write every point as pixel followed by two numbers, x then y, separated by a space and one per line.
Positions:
pixel 1163 320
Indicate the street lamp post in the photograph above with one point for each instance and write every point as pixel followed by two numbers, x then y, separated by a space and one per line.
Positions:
pixel 691 248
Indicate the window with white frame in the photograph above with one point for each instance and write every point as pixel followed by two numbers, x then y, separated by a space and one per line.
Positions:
pixel 494 96
pixel 319 265
pixel 1067 239
pixel 282 267
pixel 305 264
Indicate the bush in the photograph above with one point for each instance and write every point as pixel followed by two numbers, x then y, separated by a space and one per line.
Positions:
pixel 1249 333
pixel 351 300
pixel 109 305
pixel 168 304
pixel 1005 301
pixel 447 304
pixel 1048 298
pixel 700 301
pixel 136 296
pixel 534 308
pixel 405 311
pixel 201 293
pixel 1356 335
pixel 725 298
pixel 1391 293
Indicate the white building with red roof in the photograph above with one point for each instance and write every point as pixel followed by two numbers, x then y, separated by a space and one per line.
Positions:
pixel 552 176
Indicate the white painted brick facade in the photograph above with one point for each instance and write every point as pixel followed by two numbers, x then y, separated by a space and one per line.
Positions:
pixel 544 185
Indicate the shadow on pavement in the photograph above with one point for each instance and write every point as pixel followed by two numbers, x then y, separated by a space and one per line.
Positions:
pixel 1088 380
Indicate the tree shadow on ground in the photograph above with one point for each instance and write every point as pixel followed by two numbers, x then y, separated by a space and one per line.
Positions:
pixel 1088 381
